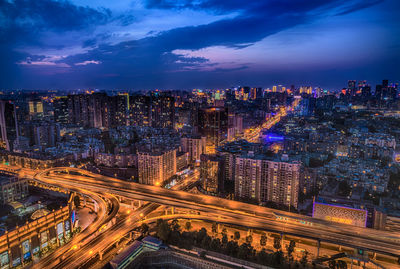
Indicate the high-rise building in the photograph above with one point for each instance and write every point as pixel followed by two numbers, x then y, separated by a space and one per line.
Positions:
pixel 60 106
pixel 155 167
pixel 351 87
pixel 118 109
pixel 211 173
pixel 97 110
pixel 213 124
pixel 235 121
pixel 282 185
pixel 8 125
pixel 264 180
pixel 35 109
pixel 162 111
pixel 78 109
pixel 248 178
pixel 139 110
pixel 194 145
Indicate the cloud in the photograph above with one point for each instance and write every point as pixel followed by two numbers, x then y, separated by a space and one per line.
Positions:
pixel 353 7
pixel 151 60
pixel 88 62
pixel 22 20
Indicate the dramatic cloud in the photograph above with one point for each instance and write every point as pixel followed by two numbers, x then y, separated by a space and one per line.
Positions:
pixel 98 47
pixel 88 62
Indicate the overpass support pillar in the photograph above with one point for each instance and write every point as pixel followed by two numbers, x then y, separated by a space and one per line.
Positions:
pixel 374 256
pixel 100 256
pixel 282 240
pixel 172 210
pixel 218 227
pixel 318 247
pixel 249 232
pixel 117 243
pixel 139 203
pixel 96 207
pixel 166 211
pixel 340 248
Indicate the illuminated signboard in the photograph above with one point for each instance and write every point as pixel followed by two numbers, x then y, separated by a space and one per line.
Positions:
pixel 16 262
pixel 73 217
pixel 26 249
pixel 35 250
pixel 25 246
pixel 67 226
pixel 43 239
pixel 397 158
pixel 340 214
pixel 60 228
pixel 4 260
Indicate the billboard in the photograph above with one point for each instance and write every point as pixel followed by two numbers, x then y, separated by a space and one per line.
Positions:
pixel 25 247
pixel 4 260
pixel 43 239
pixel 340 214
pixel 60 228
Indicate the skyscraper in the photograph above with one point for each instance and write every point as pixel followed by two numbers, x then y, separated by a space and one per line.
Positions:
pixel 162 111
pixel 60 106
pixel 213 124
pixel 211 173
pixel 139 110
pixel 194 145
pixel 263 180
pixel 351 87
pixel 155 167
pixel 8 125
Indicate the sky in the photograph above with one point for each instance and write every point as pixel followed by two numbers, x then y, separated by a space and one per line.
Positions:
pixel 187 44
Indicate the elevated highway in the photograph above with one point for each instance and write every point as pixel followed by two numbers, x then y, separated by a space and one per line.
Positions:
pixel 241 214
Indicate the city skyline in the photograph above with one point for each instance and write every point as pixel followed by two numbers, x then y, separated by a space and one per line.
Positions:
pixel 196 44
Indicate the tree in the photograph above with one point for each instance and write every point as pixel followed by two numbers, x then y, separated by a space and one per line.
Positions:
pixel 175 225
pixel 224 231
pixel 188 226
pixel 304 259
pixel 215 244
pixel 205 243
pixel 201 234
pixel 263 257
pixel 249 239
pixel 144 228
pixel 245 251
pixel 341 264
pixel 277 258
pixel 214 228
pixel 277 243
pixel 236 235
pixel 232 248
pixel 290 249
pixel 163 230
pixel 263 239
pixel 332 264
pixel 224 239
pixel 77 201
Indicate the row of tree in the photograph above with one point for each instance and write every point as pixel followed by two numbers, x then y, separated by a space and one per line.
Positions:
pixel 172 233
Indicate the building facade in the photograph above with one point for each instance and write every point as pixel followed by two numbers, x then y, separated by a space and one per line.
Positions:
pixel 263 181
pixel 155 167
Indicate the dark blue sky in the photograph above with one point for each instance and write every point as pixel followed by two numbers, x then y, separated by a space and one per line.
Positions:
pixel 178 44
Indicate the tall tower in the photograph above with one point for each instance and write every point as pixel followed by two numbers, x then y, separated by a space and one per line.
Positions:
pixel 8 125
